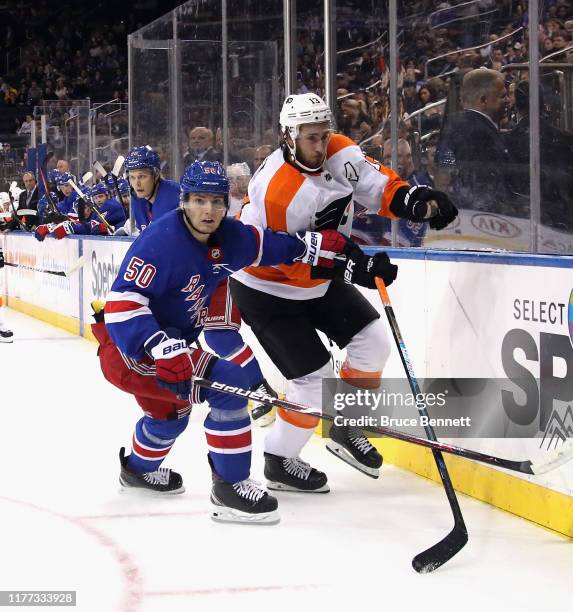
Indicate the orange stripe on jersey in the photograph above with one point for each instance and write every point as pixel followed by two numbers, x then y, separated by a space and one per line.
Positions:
pixel 280 192
pixel 338 142
pixel 296 275
pixel 394 183
pixel 304 421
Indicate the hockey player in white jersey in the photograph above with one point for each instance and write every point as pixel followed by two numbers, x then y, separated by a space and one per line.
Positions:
pixel 311 183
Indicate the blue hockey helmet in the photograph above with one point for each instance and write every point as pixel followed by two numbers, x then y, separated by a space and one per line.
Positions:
pixel 142 157
pixel 205 177
pixel 98 189
pixel 52 176
pixel 62 178
pixel 123 186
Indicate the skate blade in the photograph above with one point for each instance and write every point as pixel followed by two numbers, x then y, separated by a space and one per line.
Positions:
pixel 279 486
pixel 265 420
pixel 339 451
pixel 224 514
pixel 9 341
pixel 263 416
pixel 142 491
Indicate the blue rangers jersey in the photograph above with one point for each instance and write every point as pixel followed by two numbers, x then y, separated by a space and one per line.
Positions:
pixel 168 277
pixel 167 199
pixel 69 205
pixel 111 210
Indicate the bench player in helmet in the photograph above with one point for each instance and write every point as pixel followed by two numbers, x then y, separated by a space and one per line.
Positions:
pixel 154 313
pixel 311 183
pixel 89 222
pixel 152 195
pixel 68 203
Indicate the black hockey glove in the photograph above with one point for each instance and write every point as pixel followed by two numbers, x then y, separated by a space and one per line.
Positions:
pixel 361 269
pixel 1 259
pixel 424 204
pixel 355 267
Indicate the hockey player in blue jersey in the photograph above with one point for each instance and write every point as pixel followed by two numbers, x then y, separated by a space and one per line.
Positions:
pixel 68 205
pixel 111 216
pixel 155 312
pixel 154 198
pixel 152 195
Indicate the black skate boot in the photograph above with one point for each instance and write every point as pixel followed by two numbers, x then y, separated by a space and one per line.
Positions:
pixel 350 445
pixel 242 502
pixel 293 474
pixel 6 335
pixel 262 414
pixel 162 480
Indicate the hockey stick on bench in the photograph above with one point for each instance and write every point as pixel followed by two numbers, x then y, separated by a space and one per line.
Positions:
pixel 445 549
pixel 98 167
pixel 94 207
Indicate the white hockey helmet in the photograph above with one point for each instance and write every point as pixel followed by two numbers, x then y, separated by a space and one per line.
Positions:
pixel 302 109
pixel 4 200
pixel 239 169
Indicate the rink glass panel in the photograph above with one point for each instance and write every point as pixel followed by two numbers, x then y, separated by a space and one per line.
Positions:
pixel 150 121
pixel 215 65
pixel 68 132
pixel 220 65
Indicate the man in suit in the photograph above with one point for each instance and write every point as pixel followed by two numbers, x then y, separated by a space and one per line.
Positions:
pixel 28 201
pixel 475 166
pixel 202 146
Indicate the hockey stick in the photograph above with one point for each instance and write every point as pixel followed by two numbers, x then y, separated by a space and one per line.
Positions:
pixel 445 549
pixel 552 459
pixel 114 172
pixel 42 169
pixel 87 177
pixel 66 273
pixel 97 212
pixel 22 226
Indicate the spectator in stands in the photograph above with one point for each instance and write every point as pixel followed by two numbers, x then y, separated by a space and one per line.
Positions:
pixel 61 89
pixel 411 99
pixel 261 153
pixel 561 39
pixel 9 94
pixel 201 146
pixel 556 153
pixel 405 166
pixel 34 94
pixel 26 127
pixel 353 121
pixel 474 163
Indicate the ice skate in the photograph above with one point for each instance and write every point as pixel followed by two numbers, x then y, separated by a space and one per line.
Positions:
pixel 163 480
pixel 293 474
pixel 350 445
pixel 242 502
pixel 6 335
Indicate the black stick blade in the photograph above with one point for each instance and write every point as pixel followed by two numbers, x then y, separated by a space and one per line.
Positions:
pixel 441 552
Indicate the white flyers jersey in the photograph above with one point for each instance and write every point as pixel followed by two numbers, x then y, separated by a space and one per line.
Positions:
pixel 283 198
